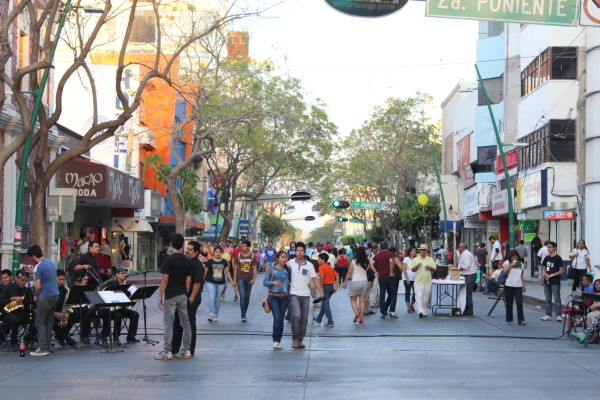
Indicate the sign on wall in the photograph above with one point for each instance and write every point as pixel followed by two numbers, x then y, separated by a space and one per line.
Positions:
pixel 558 215
pixel 532 190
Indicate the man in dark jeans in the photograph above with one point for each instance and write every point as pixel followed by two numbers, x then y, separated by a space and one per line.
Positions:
pixel 383 262
pixel 192 251
pixel 46 291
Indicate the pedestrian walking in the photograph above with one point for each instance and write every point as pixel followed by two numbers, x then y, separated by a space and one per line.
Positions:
pixel 522 250
pixel 514 287
pixel 383 262
pixel 468 269
pixel 244 275
pixel 423 266
pixel 278 282
pixel 329 280
pixel 302 273
pixel 552 270
pixel 483 259
pixel 360 286
pixel 373 297
pixel 176 281
pixel 342 263
pixel 580 263
pixel 46 291
pixel 216 275
pixel 409 279
pixel 192 251
pixel 496 256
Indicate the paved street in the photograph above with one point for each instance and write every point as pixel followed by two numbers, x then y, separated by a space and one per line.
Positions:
pixel 464 357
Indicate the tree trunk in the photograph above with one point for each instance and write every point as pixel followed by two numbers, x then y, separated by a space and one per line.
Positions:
pixel 37 223
pixel 227 225
pixel 176 205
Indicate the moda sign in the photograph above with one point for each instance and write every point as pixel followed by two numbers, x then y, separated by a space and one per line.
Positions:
pixel 101 184
pixel 547 12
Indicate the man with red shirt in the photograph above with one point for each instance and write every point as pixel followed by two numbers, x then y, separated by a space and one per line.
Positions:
pixel 383 262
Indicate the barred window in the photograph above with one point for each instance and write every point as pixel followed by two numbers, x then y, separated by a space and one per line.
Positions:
pixel 553 63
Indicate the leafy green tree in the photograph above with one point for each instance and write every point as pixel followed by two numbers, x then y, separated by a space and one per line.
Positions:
pixel 273 227
pixel 382 162
pixel 323 234
pixel 412 218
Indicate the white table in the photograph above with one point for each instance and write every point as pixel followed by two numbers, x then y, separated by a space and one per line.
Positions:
pixel 447 294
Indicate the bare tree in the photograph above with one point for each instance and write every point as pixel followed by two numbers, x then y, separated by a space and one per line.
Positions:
pixel 40 17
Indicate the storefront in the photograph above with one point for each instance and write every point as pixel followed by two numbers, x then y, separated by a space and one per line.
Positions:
pixel 101 194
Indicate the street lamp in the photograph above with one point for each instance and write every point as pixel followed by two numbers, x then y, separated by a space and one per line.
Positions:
pixel 511 211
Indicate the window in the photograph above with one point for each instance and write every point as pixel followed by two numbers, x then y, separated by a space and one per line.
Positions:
pixel 553 142
pixel 144 28
pixel 553 63
pixel 494 89
pixel 486 159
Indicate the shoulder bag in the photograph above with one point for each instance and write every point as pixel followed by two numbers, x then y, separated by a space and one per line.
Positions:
pixel 265 303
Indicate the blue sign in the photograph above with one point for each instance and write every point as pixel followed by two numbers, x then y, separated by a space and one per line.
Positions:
pixel 244 225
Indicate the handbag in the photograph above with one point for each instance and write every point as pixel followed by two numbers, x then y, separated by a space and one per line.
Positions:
pixel 572 274
pixel 265 304
pixel 370 275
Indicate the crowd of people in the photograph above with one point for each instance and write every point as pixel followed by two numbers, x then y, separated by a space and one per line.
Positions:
pixel 294 277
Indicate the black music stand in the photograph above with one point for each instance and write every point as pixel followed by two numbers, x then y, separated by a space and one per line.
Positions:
pixel 118 288
pixel 144 293
pixel 97 302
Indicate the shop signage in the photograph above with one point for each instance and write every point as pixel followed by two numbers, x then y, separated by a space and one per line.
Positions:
pixel 512 162
pixel 527 225
pixel 500 203
pixel 475 224
pixel 558 215
pixel 493 226
pixel 532 190
pixel 244 225
pixel 463 156
pixel 551 12
pixel 101 184
pixel 470 201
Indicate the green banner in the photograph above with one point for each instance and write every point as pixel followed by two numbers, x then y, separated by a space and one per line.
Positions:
pixel 528 237
pixel 546 12
pixel 528 225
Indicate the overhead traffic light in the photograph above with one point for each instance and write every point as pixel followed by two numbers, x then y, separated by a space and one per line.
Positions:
pixel 342 219
pixel 364 8
pixel 340 204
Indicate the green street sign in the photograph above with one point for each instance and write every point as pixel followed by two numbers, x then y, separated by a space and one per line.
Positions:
pixel 365 205
pixel 546 12
pixel 355 220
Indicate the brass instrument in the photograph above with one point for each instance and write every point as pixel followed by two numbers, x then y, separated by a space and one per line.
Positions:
pixel 66 311
pixel 14 305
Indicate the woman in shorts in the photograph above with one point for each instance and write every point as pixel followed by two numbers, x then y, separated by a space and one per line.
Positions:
pixel 360 287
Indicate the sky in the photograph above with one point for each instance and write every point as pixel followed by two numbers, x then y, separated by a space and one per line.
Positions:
pixel 352 64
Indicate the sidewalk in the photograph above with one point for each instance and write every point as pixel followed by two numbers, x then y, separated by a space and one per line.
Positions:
pixel 535 291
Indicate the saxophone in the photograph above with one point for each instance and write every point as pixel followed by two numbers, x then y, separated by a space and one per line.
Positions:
pixel 66 311
pixel 13 305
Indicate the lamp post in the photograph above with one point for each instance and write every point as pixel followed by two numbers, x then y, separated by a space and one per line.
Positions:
pixel 38 93
pixel 511 211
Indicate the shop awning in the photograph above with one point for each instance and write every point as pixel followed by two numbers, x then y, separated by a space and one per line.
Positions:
pixel 129 224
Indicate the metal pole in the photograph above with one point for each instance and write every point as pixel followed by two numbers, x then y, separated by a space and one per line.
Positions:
pixel 16 263
pixel 511 211
pixel 439 181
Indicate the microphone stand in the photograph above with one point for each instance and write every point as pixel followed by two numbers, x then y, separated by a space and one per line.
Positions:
pixel 146 338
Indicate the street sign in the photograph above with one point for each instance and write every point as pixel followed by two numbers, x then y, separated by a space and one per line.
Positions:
pixel 558 215
pixel 52 214
pixel 590 13
pixel 355 220
pixel 546 12
pixel 365 205
pixel 338 232
pixel 244 225
pixel 386 205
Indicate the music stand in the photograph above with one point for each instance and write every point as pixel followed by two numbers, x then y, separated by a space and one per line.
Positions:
pixel 144 293
pixel 98 302
pixel 118 288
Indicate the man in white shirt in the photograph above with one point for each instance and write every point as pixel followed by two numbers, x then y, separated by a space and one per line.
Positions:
pixel 542 253
pixel 468 269
pixel 302 273
pixel 496 256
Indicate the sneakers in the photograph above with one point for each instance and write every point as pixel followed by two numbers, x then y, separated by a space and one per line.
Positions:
pixel 329 325
pixel 243 319
pixel 276 345
pixel 559 318
pixel 210 319
pixel 383 316
pixel 546 318
pixel 164 355
pixel 40 353
pixel 393 315
pixel 235 298
pixel 70 342
pixel 215 319
pixel 317 321
pixel 184 354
